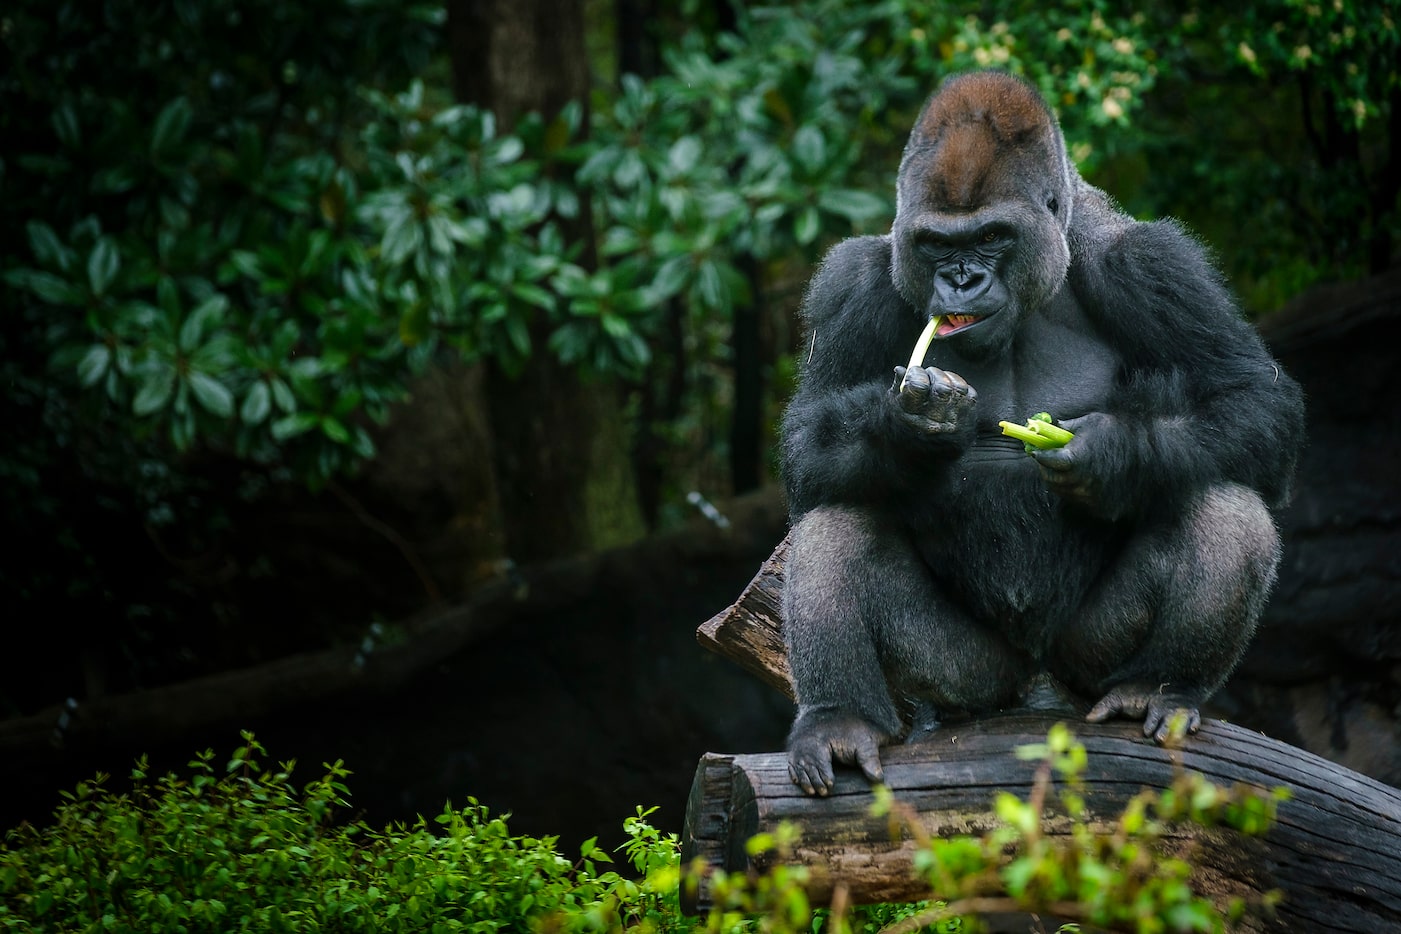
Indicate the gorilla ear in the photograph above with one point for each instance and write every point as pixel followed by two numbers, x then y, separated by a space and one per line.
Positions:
pixel 1052 204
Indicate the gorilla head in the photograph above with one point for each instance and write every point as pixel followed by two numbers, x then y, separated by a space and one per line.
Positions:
pixel 983 203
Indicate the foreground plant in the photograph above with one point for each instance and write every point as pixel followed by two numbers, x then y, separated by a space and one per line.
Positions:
pixel 239 847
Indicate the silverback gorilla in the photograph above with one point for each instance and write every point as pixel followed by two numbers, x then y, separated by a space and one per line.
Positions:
pixel 934 566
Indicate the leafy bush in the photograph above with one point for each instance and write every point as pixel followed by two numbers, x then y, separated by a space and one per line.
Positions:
pixel 247 851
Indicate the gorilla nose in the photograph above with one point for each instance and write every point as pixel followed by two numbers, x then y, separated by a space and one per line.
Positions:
pixel 962 279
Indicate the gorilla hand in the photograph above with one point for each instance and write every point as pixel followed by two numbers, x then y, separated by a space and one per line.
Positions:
pixel 933 401
pixel 1071 471
pixel 1157 705
pixel 821 737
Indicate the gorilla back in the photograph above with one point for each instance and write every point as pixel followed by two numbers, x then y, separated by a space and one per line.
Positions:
pixel 936 566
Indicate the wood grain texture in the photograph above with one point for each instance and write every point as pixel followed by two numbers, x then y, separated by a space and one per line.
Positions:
pixel 1335 850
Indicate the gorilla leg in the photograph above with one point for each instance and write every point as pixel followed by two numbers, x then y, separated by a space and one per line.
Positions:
pixel 868 634
pixel 1168 624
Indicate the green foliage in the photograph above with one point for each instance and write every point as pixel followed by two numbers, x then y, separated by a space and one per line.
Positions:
pixel 215 256
pixel 256 273
pixel 1123 879
pixel 238 847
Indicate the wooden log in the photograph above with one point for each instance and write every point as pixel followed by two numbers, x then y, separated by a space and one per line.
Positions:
pixel 1335 851
pixel 750 631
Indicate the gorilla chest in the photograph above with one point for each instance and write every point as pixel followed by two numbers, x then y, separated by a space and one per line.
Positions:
pixel 1060 366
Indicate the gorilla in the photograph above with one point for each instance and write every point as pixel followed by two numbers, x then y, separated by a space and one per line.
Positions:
pixel 935 567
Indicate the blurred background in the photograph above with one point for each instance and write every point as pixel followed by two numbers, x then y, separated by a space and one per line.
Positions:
pixel 399 380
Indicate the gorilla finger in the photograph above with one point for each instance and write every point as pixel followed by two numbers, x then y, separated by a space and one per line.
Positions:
pixel 1102 711
pixel 1054 459
pixel 913 393
pixel 1116 702
pixel 939 382
pixel 868 757
pixel 947 381
pixel 917 378
pixel 1167 716
pixel 1083 422
pixel 800 778
pixel 806 773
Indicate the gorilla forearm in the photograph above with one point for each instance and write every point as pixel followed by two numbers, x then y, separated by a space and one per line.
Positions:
pixel 1154 447
pixel 854 445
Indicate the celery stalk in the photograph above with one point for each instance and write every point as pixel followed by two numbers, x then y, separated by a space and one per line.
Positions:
pixel 922 345
pixel 1027 436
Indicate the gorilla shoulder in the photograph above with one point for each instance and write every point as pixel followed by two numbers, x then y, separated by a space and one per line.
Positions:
pixel 1140 279
pixel 853 268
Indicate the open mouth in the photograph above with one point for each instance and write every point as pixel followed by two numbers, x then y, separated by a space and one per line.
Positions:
pixel 953 323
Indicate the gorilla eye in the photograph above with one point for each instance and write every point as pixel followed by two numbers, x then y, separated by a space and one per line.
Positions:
pixel 1053 205
pixel 990 236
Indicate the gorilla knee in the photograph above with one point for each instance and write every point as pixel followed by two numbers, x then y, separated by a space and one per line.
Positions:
pixel 1234 535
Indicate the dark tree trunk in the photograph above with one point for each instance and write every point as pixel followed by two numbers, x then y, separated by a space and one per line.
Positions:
pixel 637 49
pixel 561 450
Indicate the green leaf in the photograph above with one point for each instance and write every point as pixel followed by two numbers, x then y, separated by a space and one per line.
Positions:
pixel 672 277
pixel 171 125
pixel 1018 875
pixel 807 225
pixel 294 425
pixel 854 205
pixel 46 286
pixel 711 287
pixel 247 263
pixel 518 333
pixel 154 394
pixel 809 148
pixel 103 264
pixel 363 445
pixel 94 364
pixel 207 314
pixel 48 249
pixel 533 295
pixel 282 395
pixel 256 405
pixel 212 395
pixel 334 430
pixel 684 155
pixel 401 238
pixel 65 123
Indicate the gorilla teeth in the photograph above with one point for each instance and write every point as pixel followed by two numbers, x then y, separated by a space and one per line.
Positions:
pixel 955 322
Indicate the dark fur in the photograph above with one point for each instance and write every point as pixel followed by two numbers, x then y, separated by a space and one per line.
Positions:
pixel 933 561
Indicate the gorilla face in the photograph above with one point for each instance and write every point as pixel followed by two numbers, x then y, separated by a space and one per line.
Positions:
pixel 983 204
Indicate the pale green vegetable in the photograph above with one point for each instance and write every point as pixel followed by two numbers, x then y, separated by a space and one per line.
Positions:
pixel 922 345
pixel 1038 433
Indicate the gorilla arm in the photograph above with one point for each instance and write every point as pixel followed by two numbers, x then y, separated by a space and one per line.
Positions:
pixel 847 437
pixel 1199 400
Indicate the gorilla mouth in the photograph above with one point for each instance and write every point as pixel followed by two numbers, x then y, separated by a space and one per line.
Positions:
pixel 952 323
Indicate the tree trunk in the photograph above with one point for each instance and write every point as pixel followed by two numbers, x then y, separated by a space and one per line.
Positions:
pixel 562 454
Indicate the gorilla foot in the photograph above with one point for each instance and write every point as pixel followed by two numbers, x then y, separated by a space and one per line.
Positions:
pixel 1161 709
pixel 821 738
pixel 924 722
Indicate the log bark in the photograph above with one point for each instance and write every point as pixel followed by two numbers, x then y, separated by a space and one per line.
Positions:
pixel 750 631
pixel 1335 850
